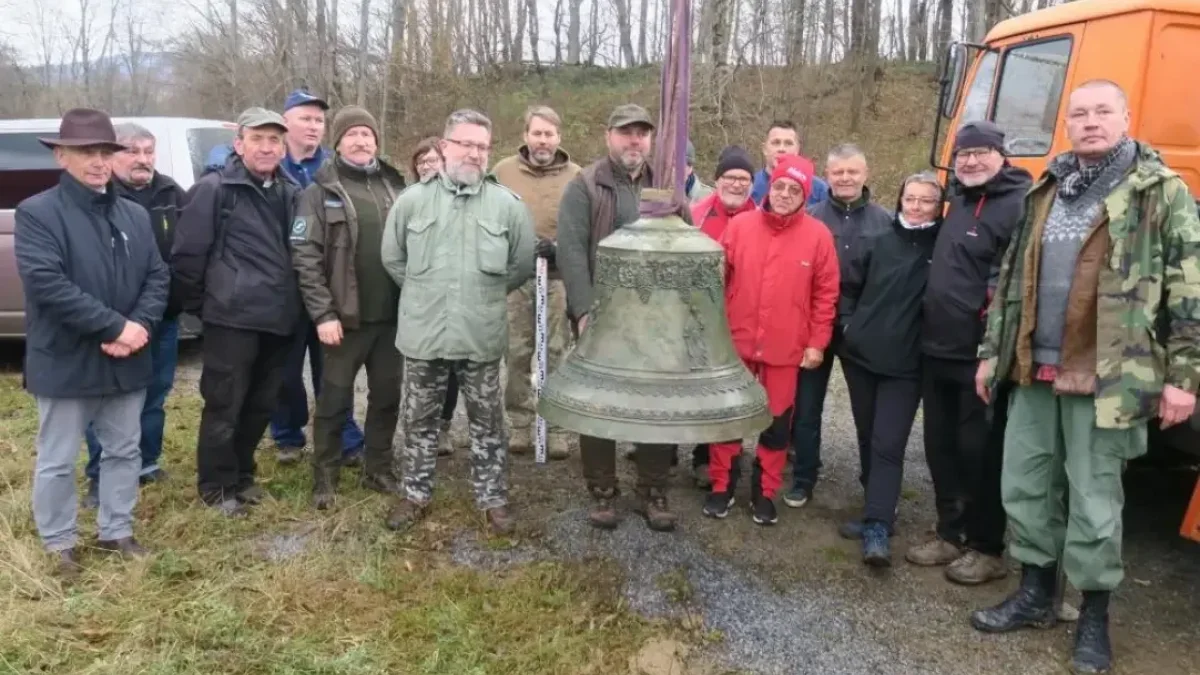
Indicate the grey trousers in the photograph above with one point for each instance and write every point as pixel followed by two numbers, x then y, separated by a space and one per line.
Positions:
pixel 116 421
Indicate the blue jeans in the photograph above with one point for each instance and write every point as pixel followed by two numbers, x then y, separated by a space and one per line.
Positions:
pixel 291 416
pixel 164 354
pixel 806 424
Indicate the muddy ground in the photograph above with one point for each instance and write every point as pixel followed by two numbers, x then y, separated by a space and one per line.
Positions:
pixel 796 599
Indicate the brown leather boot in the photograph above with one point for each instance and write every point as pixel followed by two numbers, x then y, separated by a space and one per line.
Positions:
pixel 604 511
pixel 653 506
pixel 404 514
pixel 500 521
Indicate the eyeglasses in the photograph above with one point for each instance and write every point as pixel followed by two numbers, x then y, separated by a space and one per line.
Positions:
pixel 431 161
pixel 735 180
pixel 782 188
pixel 469 146
pixel 972 153
pixel 923 201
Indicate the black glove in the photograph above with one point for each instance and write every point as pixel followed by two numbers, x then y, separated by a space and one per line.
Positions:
pixel 545 249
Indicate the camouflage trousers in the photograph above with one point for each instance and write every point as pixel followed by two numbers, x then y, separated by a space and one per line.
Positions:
pixel 424 392
pixel 522 346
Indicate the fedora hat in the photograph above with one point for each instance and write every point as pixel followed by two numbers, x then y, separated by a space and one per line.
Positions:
pixel 84 127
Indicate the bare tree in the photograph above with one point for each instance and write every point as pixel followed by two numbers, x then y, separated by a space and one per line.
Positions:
pixel 574 47
pixel 360 72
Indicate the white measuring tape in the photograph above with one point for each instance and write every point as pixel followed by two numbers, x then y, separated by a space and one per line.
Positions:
pixel 540 375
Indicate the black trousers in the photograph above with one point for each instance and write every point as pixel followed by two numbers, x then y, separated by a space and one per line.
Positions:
pixel 884 409
pixel 965 454
pixel 240 380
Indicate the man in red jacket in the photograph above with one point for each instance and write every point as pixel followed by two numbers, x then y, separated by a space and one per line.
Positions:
pixel 781 293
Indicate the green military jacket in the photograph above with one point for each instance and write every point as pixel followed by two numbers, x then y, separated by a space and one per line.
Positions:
pixel 1148 295
pixel 456 253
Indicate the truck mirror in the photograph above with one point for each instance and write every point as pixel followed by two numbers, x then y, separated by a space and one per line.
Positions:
pixel 954 67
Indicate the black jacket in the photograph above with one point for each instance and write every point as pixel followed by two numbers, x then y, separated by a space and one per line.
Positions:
pixel 88 263
pixel 231 258
pixel 165 198
pixel 966 262
pixel 881 302
pixel 850 225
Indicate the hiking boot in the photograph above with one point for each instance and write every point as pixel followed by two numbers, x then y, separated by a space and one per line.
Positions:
pixel 876 547
pixel 935 552
pixel 717 504
pixel 445 446
pixel 975 568
pixel 604 511
pixel 558 446
pixel 653 506
pixel 127 547
pixel 286 455
pixel 701 478
pixel 520 441
pixel 155 475
pixel 764 511
pixel 383 483
pixel 324 486
pixel 798 496
pixel 92 499
pixel 68 567
pixel 1030 606
pixel 403 514
pixel 499 520
pixel 1093 650
pixel 252 495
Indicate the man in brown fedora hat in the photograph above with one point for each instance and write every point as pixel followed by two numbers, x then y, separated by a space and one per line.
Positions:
pixel 95 288
pixel 232 266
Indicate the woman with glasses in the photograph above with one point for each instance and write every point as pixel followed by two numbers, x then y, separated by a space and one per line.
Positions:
pixel 880 315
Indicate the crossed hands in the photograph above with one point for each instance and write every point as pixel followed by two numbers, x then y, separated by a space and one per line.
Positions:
pixel 133 337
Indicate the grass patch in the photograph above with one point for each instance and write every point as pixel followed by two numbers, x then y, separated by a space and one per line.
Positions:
pixel 676 585
pixel 834 554
pixel 289 590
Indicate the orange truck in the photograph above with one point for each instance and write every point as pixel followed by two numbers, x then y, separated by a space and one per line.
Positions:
pixel 1020 78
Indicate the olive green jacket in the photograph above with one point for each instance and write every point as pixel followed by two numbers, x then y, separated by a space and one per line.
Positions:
pixel 456 252
pixel 1148 293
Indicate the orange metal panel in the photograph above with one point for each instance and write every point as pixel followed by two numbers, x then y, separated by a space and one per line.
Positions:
pixel 1191 519
pixel 1083 11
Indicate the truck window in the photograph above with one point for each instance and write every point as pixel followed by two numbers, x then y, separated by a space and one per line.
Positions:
pixel 26 167
pixel 1029 94
pixel 975 105
pixel 201 141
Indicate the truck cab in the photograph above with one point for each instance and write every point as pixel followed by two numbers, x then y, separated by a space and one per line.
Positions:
pixel 27 167
pixel 1021 75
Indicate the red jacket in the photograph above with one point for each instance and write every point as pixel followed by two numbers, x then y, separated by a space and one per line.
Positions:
pixel 781 285
pixel 711 216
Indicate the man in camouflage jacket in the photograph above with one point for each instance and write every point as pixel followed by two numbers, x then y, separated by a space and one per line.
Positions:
pixel 1096 319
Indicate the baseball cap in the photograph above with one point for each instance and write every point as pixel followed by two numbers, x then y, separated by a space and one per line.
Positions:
pixel 253 118
pixel 630 113
pixel 302 97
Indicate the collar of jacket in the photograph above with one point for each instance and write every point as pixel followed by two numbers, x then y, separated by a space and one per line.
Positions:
pixel 313 163
pixel 861 202
pixel 467 190
pixel 1148 170
pixel 159 183
pixel 236 173
pixel 85 196
pixel 560 162
pixel 916 235
pixel 779 223
pixel 719 207
pixel 327 176
pixel 607 171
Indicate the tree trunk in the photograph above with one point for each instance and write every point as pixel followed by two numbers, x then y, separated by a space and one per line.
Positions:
pixel 594 34
pixel 827 24
pixel 558 45
pixel 518 48
pixel 945 16
pixel 505 32
pixel 532 14
pixel 625 29
pixel 721 31
pixel 976 16
pixel 795 52
pixel 360 72
pixel 643 57
pixel 574 46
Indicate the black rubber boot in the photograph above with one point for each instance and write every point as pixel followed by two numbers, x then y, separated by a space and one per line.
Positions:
pixel 1030 606
pixel 1093 650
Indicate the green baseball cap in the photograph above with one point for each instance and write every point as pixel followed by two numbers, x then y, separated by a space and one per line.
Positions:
pixel 254 118
pixel 630 113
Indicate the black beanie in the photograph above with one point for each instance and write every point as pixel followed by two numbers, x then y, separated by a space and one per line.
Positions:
pixel 734 157
pixel 981 134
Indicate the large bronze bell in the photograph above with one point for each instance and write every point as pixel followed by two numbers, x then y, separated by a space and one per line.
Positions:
pixel 656 363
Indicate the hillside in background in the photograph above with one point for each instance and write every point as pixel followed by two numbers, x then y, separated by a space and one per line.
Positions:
pixel 895 128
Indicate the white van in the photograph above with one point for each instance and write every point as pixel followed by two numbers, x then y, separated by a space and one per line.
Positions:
pixel 27 167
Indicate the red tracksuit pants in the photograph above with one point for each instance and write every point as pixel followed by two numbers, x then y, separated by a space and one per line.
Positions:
pixel 771 453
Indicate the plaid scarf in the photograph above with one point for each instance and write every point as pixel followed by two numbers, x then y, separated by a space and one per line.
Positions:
pixel 1074 180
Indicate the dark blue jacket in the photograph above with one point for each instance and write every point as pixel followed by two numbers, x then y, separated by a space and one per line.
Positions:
pixel 762 180
pixel 88 262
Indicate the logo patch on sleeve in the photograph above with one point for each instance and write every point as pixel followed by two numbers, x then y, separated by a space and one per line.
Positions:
pixel 299 228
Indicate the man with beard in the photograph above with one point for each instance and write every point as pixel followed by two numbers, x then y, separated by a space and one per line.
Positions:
pixel 538 173
pixel 851 216
pixel 352 300
pixel 601 199
pixel 962 446
pixel 456 243
pixel 232 266
pixel 134 178
pixel 712 214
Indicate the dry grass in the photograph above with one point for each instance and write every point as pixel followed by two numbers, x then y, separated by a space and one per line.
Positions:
pixel 221 596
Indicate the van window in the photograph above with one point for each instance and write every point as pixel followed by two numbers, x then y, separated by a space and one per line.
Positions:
pixel 201 141
pixel 975 105
pixel 1029 94
pixel 21 151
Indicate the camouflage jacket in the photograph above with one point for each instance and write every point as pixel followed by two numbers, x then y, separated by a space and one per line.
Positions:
pixel 1148 294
